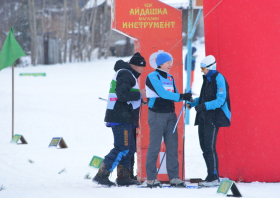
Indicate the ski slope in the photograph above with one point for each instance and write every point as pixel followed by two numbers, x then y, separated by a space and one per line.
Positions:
pixel 65 104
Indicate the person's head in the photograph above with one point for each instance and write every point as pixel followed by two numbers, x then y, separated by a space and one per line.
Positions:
pixel 137 62
pixel 193 50
pixel 208 63
pixel 164 61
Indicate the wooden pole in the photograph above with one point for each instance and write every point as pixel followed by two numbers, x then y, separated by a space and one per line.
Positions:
pixel 12 101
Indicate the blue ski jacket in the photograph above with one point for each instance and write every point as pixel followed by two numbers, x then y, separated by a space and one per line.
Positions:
pixel 161 92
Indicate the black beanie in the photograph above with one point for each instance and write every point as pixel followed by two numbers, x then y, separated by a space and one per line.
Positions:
pixel 137 60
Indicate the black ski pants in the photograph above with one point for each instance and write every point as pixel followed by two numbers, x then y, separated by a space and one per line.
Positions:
pixel 207 138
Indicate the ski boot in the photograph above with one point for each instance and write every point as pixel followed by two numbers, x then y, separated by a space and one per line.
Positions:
pixel 176 182
pixel 102 177
pixel 209 183
pixel 123 178
pixel 153 183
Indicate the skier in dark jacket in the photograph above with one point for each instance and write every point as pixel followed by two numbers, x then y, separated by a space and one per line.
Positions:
pixel 122 115
pixel 213 112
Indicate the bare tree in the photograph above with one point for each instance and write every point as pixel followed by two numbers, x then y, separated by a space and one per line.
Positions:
pixel 33 30
pixel 80 19
pixel 72 30
pixel 92 46
pixel 65 30
pixel 108 44
pixel 103 29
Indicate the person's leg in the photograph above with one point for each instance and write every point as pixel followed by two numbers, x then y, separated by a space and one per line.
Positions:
pixel 111 160
pixel 201 134
pixel 123 161
pixel 157 125
pixel 126 160
pixel 208 137
pixel 121 146
pixel 211 154
pixel 171 143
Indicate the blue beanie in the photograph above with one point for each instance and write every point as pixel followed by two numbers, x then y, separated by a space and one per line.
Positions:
pixel 163 58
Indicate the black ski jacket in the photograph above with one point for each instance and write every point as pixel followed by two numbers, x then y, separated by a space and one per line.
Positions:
pixel 208 93
pixel 123 112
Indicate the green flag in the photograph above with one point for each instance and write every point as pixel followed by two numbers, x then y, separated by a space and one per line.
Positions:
pixel 11 51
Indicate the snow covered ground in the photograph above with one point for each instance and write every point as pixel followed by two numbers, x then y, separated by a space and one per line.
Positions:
pixel 65 104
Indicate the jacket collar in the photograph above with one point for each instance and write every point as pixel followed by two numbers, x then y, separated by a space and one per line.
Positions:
pixel 162 73
pixel 120 64
pixel 209 75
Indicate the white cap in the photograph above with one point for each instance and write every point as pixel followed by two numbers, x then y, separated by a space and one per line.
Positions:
pixel 209 62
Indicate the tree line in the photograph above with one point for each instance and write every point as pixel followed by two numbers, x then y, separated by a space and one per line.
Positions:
pixel 79 32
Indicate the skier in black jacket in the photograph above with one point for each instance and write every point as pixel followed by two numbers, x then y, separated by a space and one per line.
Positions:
pixel 213 112
pixel 122 115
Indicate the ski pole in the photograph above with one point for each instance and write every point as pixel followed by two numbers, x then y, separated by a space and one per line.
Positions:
pixel 102 99
pixel 168 143
pixel 183 166
pixel 142 101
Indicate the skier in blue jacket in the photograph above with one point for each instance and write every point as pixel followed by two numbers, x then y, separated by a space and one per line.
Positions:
pixel 213 112
pixel 161 92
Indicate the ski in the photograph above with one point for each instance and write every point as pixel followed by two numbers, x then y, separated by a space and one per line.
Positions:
pixel 134 186
pixel 168 186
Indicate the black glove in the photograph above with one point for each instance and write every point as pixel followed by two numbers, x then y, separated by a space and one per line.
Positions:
pixel 185 96
pixel 200 107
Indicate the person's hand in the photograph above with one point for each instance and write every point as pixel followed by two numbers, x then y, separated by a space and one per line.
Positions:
pixel 143 102
pixel 185 96
pixel 188 106
pixel 143 93
pixel 200 107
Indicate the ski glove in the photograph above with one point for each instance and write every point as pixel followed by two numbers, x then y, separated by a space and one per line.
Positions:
pixel 200 107
pixel 185 96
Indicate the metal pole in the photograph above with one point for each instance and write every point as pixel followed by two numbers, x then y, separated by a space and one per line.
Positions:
pixel 191 31
pixel 12 101
pixel 190 19
pixel 195 23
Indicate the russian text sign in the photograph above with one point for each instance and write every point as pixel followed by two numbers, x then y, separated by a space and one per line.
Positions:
pixel 146 19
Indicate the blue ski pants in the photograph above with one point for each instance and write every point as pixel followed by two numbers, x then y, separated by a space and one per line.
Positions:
pixel 124 147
